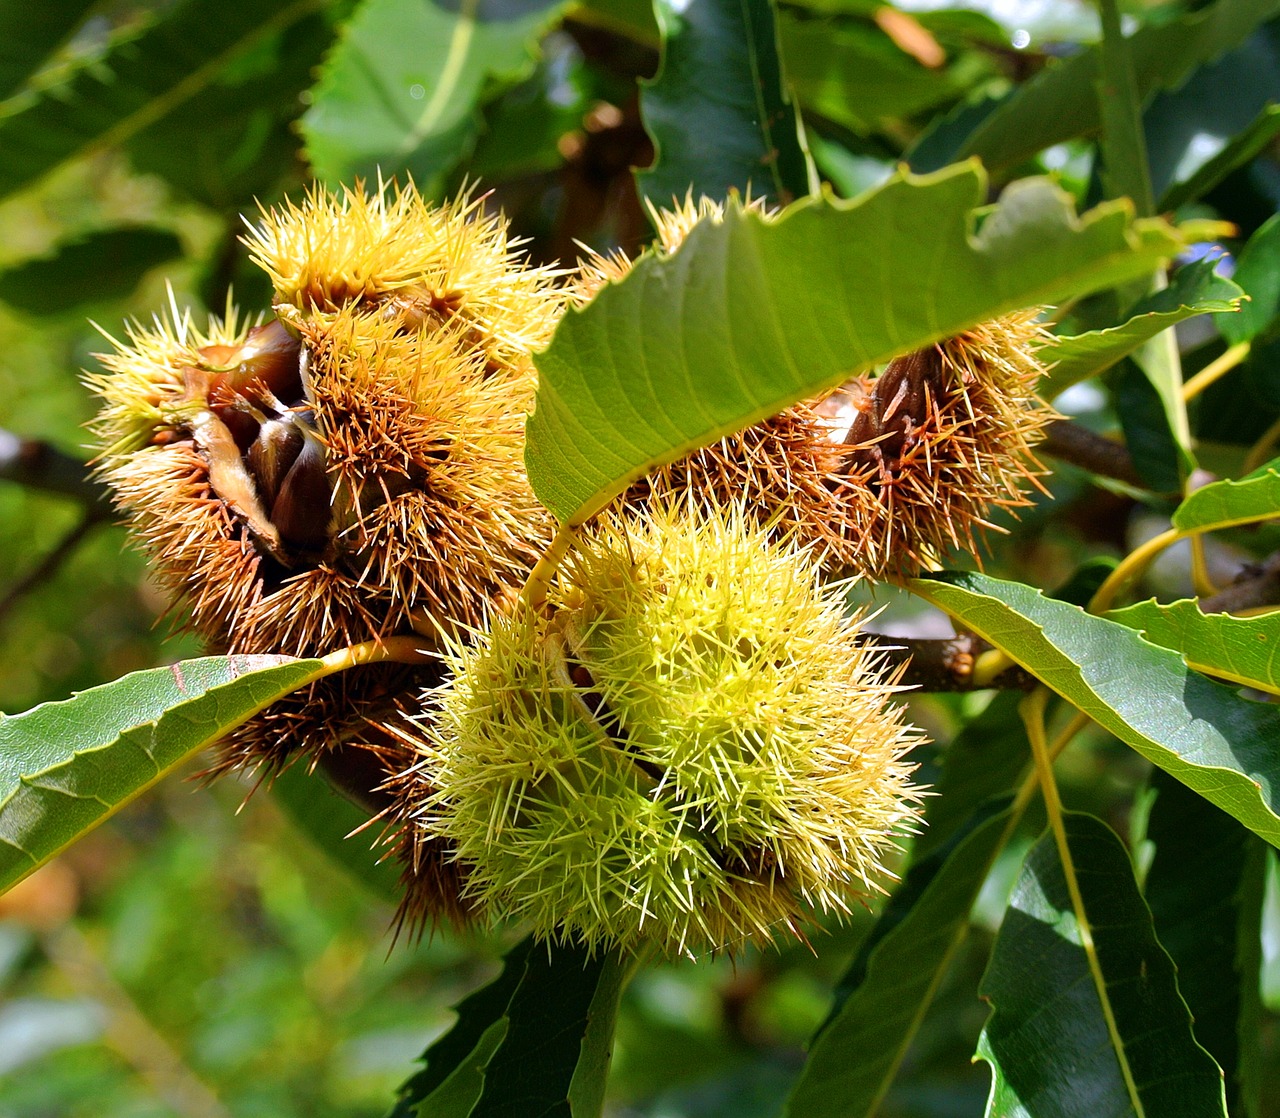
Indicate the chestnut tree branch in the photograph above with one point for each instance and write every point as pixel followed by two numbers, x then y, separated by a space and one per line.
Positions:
pixel 1071 442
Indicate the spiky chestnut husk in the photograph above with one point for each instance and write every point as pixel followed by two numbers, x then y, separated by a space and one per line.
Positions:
pixel 416 264
pixel 887 473
pixel 692 746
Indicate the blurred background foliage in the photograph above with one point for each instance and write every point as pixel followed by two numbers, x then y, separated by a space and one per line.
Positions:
pixel 199 955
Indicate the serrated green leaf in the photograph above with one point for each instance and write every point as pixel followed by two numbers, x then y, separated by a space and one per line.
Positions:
pixel 1254 497
pixel 1199 731
pixel 1258 274
pixel 1148 434
pixel 1195 289
pixel 137 83
pixel 1055 1047
pixel 1245 650
pixel 331 821
pixel 67 766
pixel 1062 103
pixel 536 1040
pixel 718 110
pixel 29 33
pixel 92 269
pixel 402 89
pixel 1239 150
pixel 881 1002
pixel 751 315
pixel 1202 898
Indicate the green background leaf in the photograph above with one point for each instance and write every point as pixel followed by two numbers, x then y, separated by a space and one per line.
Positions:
pixel 749 316
pixel 1199 731
pixel 1254 497
pixel 101 266
pixel 29 33
pixel 1258 275
pixel 1047 1040
pixel 718 110
pixel 67 766
pixel 402 89
pixel 1242 148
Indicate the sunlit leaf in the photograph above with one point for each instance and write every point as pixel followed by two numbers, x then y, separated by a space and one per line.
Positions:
pixel 1198 731
pixel 1254 497
pixel 751 315
pixel 1195 289
pixel 1062 102
pixel 1245 650
pixel 1086 1016
pixel 402 89
pixel 67 766
pixel 718 110
pixel 1258 274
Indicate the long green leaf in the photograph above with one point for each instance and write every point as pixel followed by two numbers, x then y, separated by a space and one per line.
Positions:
pixel 751 315
pixel 1245 650
pixel 1245 500
pixel 101 266
pixel 719 111
pixel 137 83
pixel 1198 731
pixel 1258 274
pixel 1238 151
pixel 1204 899
pixel 1061 103
pixel 1195 289
pixel 537 1040
pixel 1062 1043
pixel 402 89
pixel 853 1059
pixel 30 32
pixel 67 766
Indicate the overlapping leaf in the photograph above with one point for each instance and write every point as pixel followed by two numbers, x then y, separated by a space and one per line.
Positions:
pixel 854 1057
pixel 537 1040
pixel 1245 650
pixel 137 83
pixel 1062 102
pixel 1245 500
pixel 718 111
pixel 30 32
pixel 1258 274
pixel 1086 1016
pixel 1196 289
pixel 751 315
pixel 1199 731
pixel 402 89
pixel 67 766
pixel 1239 150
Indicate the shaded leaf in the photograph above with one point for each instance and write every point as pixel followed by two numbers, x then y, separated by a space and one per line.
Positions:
pixel 1195 289
pixel 101 266
pixel 537 1040
pixel 67 766
pixel 1258 274
pixel 1203 901
pixel 882 1000
pixel 1199 731
pixel 857 76
pixel 138 83
pixel 331 821
pixel 29 33
pixel 1049 1041
pixel 402 89
pixel 718 110
pixel 751 315
pixel 1254 497
pixel 1238 151
pixel 1061 102
pixel 1148 435
pixel 1245 650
